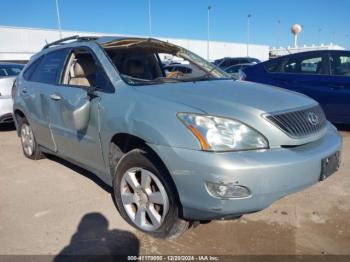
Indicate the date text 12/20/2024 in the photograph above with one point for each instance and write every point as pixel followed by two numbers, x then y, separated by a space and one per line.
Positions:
pixel 173 258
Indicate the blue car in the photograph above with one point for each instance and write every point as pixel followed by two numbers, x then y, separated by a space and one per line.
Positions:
pixel 322 75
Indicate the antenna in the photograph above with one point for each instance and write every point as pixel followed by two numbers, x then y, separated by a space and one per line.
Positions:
pixel 296 29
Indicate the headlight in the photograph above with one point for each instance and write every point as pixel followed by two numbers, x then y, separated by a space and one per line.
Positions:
pixel 222 134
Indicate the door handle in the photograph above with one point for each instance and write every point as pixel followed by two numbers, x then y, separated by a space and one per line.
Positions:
pixel 335 86
pixel 55 97
pixel 24 91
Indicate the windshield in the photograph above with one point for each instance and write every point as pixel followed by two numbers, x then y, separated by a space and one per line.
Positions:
pixel 10 70
pixel 145 62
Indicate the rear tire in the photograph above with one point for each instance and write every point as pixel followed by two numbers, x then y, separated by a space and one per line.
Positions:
pixel 29 145
pixel 146 197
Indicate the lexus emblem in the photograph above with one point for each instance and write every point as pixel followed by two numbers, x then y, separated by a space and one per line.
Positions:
pixel 312 118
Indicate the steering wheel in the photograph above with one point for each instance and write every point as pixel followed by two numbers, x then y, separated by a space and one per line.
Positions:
pixel 175 74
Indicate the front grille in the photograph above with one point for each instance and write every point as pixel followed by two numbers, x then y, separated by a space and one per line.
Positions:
pixel 299 123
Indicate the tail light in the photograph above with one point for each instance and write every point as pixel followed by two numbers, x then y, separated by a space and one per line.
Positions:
pixel 242 76
pixel 14 88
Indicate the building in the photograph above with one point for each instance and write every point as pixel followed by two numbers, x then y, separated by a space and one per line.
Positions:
pixel 275 52
pixel 19 44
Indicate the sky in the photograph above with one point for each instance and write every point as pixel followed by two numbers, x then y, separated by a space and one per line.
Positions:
pixel 323 21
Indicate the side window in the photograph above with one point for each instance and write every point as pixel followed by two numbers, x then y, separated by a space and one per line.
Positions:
pixel 272 66
pixel 218 62
pixel 226 63
pixel 83 70
pixel 305 65
pixel 16 70
pixel 312 65
pixel 3 72
pixel 291 67
pixel 233 69
pixel 50 67
pixel 188 71
pixel 340 65
pixel 10 70
pixel 29 71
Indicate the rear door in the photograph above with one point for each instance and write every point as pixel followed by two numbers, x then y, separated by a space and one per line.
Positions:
pixel 40 80
pixel 340 86
pixel 306 73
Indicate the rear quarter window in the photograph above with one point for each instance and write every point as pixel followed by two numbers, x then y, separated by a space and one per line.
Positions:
pixel 340 65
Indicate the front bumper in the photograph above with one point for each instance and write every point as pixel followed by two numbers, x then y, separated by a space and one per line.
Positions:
pixel 269 174
pixel 6 107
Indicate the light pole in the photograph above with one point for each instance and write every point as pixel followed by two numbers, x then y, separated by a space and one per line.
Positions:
pixel 58 19
pixel 149 18
pixel 333 36
pixel 346 38
pixel 319 35
pixel 248 33
pixel 278 32
pixel 208 41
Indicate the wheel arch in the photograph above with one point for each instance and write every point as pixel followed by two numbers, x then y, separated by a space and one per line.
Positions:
pixel 18 115
pixel 122 143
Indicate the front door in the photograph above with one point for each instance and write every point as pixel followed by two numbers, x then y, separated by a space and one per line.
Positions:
pixel 74 115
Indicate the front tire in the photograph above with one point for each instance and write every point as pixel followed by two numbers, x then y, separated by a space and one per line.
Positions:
pixel 29 145
pixel 146 197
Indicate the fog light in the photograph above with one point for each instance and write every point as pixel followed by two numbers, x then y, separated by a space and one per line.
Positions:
pixel 227 190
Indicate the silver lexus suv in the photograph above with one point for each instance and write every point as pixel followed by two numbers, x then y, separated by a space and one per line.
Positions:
pixel 177 147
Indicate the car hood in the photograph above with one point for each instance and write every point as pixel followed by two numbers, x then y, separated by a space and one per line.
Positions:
pixel 223 97
pixel 241 100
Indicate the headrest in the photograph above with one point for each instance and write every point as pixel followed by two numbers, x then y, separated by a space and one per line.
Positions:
pixel 84 66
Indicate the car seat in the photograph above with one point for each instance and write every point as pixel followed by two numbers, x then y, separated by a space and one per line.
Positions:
pixel 84 72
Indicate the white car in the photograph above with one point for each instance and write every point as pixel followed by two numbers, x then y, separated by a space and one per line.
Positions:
pixel 8 73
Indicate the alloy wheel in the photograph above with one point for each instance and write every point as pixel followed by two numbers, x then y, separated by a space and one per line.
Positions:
pixel 144 198
pixel 27 138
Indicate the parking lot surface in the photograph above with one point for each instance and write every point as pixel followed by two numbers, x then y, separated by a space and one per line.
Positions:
pixel 53 207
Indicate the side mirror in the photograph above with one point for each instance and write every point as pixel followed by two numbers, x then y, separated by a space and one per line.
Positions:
pixel 81 116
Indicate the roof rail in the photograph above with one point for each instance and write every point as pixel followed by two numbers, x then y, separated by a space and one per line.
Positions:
pixel 74 37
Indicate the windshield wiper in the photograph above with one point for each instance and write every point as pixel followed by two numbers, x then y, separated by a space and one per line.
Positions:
pixel 151 81
pixel 171 79
pixel 206 77
pixel 135 78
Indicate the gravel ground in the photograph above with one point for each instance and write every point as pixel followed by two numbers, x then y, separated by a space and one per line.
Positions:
pixel 52 207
